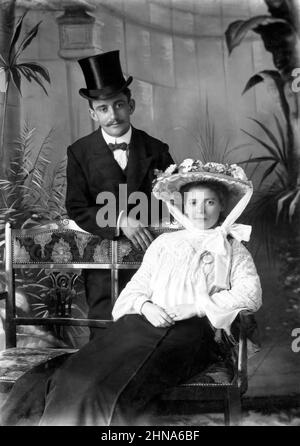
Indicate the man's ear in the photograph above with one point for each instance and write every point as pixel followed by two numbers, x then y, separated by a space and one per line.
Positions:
pixel 131 106
pixel 93 114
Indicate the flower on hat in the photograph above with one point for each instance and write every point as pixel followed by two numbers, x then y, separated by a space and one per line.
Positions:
pixel 190 165
pixel 238 172
pixel 171 169
pixel 160 174
pixel 217 168
pixel 186 165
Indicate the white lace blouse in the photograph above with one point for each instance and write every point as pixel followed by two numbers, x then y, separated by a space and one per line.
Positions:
pixel 170 276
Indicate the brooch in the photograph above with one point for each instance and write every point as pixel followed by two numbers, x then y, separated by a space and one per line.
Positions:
pixel 207 257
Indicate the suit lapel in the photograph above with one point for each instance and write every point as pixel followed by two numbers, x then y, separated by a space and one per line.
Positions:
pixel 104 159
pixel 138 162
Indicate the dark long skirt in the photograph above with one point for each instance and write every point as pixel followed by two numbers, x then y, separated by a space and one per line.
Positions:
pixel 113 379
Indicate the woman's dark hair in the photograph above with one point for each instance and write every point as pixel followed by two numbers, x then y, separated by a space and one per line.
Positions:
pixel 220 189
pixel 126 91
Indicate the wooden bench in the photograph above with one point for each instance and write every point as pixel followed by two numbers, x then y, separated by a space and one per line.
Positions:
pixel 62 251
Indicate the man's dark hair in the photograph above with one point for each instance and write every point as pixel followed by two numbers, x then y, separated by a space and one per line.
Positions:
pixel 126 91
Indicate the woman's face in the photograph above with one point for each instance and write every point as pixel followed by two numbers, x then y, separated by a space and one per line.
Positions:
pixel 202 205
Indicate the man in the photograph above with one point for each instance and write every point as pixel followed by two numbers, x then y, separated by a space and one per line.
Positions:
pixel 96 167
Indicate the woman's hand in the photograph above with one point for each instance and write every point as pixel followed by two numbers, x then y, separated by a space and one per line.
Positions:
pixel 156 315
pixel 181 312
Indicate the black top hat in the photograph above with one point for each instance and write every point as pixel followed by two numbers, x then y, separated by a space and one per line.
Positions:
pixel 103 76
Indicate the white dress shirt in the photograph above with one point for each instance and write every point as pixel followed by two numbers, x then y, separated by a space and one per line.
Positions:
pixel 121 156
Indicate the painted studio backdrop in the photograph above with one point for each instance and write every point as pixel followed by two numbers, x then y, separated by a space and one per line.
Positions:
pixel 176 52
pixel 208 90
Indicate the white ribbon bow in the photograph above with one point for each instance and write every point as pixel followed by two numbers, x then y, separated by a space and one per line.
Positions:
pixel 217 241
pixel 217 244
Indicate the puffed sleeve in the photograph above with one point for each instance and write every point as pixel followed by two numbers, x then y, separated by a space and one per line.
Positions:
pixel 138 289
pixel 245 292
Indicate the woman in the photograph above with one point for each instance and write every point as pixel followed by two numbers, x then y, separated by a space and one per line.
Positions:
pixel 191 282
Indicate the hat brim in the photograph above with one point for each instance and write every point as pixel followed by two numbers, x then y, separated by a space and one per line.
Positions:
pixel 104 93
pixel 166 187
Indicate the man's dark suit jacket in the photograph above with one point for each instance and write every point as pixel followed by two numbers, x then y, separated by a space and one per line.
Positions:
pixel 92 169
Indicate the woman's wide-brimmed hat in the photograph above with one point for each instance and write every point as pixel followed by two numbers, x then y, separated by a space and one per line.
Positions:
pixel 103 76
pixel 168 183
pixel 167 188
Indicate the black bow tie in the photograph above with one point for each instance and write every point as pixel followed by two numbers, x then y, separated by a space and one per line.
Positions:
pixel 121 146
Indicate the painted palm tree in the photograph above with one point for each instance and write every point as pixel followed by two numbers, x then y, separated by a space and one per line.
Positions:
pixel 274 213
pixel 280 34
pixel 13 72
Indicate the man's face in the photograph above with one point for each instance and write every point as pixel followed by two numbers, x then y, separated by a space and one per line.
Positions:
pixel 113 114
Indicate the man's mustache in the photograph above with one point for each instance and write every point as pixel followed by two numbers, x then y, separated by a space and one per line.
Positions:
pixel 114 123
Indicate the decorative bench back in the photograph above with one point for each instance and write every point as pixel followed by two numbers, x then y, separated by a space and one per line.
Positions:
pixel 62 249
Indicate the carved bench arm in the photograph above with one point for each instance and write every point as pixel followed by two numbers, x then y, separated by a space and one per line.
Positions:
pixel 246 321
